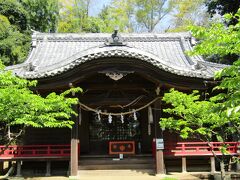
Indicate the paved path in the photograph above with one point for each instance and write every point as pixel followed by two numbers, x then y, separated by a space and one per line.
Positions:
pixel 131 175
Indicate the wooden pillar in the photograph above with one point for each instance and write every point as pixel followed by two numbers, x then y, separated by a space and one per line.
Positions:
pixel 184 164
pixel 238 167
pixel 74 146
pixel 74 157
pixel 213 169
pixel 9 164
pixel 19 174
pixel 1 167
pixel 48 168
pixel 160 166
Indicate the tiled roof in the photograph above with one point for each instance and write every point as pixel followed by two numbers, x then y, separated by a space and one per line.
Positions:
pixel 55 53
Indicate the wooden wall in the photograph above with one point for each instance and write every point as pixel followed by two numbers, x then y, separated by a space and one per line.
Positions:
pixel 47 136
pixel 146 142
pixel 84 132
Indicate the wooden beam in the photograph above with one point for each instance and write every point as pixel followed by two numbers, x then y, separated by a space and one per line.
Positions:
pixel 117 86
pixel 94 101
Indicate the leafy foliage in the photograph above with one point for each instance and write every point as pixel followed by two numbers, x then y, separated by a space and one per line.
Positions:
pixel 222 7
pixel 21 106
pixel 14 45
pixel 218 40
pixel 123 13
pixel 74 17
pixel 150 13
pixel 220 115
pixel 14 37
pixel 16 19
pixel 230 85
pixel 43 14
pixel 223 108
pixel 119 14
pixel 15 13
pixel 191 116
pixel 189 12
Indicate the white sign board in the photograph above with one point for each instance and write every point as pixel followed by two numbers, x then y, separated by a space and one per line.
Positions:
pixel 159 144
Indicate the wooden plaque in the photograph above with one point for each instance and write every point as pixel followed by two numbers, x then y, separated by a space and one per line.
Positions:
pixel 121 147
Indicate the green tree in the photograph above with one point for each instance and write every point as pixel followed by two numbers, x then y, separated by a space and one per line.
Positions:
pixel 68 17
pixel 123 14
pixel 43 14
pixel 20 107
pixel 14 45
pixel 119 14
pixel 189 12
pixel 222 7
pixel 202 119
pixel 14 34
pixel 150 12
pixel 219 41
pixel 17 17
pixel 74 17
pixel 15 13
pixel 220 115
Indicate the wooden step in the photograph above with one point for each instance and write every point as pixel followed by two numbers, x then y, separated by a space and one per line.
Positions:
pixel 99 161
pixel 111 163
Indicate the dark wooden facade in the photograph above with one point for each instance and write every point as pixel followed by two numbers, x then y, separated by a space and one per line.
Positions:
pixel 99 91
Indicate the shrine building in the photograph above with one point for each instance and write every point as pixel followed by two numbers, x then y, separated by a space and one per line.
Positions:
pixel 123 77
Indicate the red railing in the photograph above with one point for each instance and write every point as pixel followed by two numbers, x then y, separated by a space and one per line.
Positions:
pixel 199 148
pixel 35 151
pixel 173 149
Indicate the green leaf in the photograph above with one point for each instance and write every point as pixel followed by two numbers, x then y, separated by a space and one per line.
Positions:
pixel 20 106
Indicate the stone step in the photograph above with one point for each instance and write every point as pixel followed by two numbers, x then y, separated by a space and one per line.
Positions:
pixel 121 172
pixel 115 166
pixel 114 161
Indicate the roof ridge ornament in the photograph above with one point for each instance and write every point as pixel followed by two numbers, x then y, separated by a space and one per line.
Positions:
pixel 116 39
pixel 31 66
